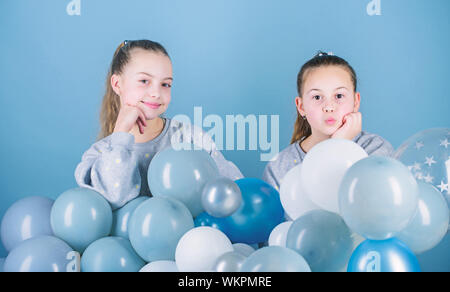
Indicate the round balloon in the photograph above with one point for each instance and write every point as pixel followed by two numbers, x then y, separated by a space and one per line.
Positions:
pixel 243 249
pixel 111 254
pixel 323 239
pixel 182 174
pixel 121 217
pixel 378 197
pixel 229 262
pixel 160 266
pixel 293 198
pixel 429 224
pixel 275 259
pixel 25 219
pixel 81 216
pixel 389 255
pixel 323 168
pixel 157 225
pixel 204 219
pixel 279 234
pixel 199 249
pixel 427 155
pixel 41 254
pixel 259 213
pixel 221 197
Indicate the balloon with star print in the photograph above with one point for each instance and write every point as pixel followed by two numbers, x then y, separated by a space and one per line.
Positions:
pixel 427 155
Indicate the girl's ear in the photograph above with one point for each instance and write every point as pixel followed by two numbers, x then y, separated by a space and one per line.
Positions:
pixel 357 102
pixel 300 106
pixel 115 83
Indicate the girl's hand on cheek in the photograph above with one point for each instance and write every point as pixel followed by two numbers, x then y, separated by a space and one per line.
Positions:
pixel 129 116
pixel 351 126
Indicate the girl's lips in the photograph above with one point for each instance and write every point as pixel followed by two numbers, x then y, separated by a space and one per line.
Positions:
pixel 330 121
pixel 152 105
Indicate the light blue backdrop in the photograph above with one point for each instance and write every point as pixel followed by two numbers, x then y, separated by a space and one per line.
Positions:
pixel 230 57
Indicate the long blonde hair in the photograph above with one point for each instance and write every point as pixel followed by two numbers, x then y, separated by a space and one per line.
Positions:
pixel 302 129
pixel 111 101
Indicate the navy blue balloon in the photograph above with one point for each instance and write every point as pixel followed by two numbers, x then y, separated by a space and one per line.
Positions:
pixel 41 254
pixel 25 219
pixel 111 254
pixel 204 219
pixel 389 255
pixel 259 213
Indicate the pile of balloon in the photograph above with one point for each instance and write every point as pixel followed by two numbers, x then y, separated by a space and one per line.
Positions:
pixel 339 210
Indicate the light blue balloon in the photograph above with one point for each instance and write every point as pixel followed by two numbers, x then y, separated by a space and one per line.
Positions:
pixel 81 216
pixel 275 259
pixel 389 255
pixel 221 197
pixel 40 254
pixel 25 219
pixel 323 239
pixel 427 155
pixel 430 223
pixel 378 196
pixel 182 175
pixel 121 217
pixel 156 226
pixel 229 262
pixel 111 254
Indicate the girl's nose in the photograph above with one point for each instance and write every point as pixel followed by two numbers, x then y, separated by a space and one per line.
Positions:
pixel 154 93
pixel 328 108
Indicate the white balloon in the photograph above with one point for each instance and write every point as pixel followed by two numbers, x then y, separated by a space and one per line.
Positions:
pixel 199 249
pixel 160 266
pixel 279 234
pixel 324 167
pixel 293 198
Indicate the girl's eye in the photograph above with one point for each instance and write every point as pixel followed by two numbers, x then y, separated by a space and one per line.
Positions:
pixel 339 96
pixel 144 81
pixel 316 97
pixel 167 85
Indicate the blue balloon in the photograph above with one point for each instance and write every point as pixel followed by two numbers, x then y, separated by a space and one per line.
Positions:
pixel 436 259
pixel 260 212
pixel 25 219
pixel 41 254
pixel 389 255
pixel 323 239
pixel 111 254
pixel 427 155
pixel 121 217
pixel 156 226
pixel 2 263
pixel 81 216
pixel 182 175
pixel 430 223
pixel 204 219
pixel 378 196
pixel 275 259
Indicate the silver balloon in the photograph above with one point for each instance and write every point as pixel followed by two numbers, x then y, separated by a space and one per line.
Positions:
pixel 229 262
pixel 221 197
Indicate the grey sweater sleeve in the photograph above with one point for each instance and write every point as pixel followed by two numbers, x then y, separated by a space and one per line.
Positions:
pixel 111 168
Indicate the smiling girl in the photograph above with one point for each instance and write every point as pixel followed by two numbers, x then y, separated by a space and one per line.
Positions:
pixel 133 130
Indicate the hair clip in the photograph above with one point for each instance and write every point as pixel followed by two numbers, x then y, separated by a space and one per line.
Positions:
pixel 322 54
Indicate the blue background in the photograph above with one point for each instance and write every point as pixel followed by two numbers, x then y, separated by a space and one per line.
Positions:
pixel 230 57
